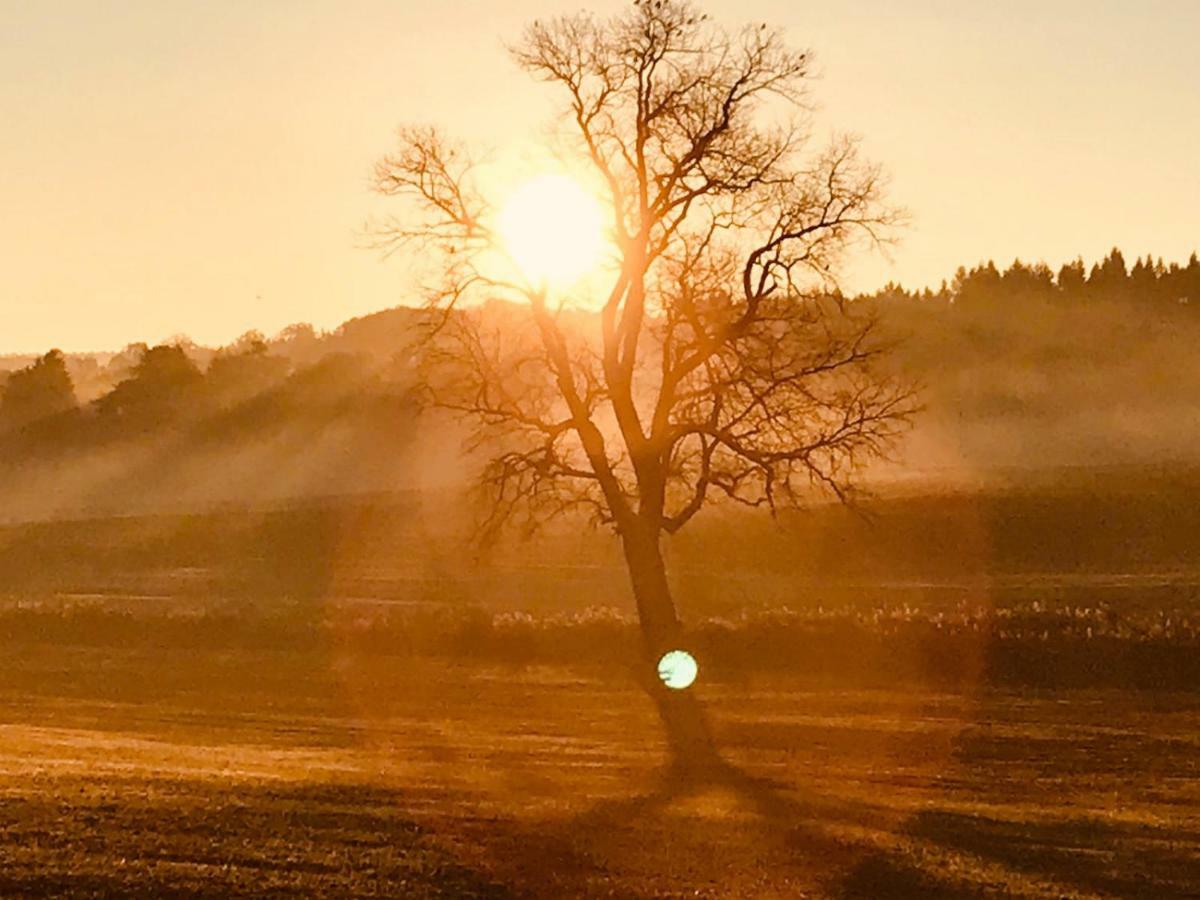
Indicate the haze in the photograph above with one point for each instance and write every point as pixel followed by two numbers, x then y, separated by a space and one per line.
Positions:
pixel 637 561
pixel 201 168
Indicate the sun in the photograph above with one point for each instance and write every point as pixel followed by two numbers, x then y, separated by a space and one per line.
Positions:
pixel 553 230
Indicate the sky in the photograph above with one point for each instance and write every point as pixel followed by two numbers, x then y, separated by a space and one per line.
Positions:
pixel 200 167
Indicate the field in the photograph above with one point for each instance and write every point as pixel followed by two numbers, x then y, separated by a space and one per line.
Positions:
pixel 313 702
pixel 261 774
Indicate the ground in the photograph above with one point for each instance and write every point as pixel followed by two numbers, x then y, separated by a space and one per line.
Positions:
pixel 173 773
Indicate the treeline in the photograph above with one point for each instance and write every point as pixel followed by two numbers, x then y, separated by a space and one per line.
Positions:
pixel 1025 367
pixel 1023 344
pixel 985 287
pixel 60 403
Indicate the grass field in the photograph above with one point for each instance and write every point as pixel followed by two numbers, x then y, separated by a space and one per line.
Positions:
pixel 179 773
pixel 991 694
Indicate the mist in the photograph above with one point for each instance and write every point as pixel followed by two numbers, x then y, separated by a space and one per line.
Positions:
pixel 644 547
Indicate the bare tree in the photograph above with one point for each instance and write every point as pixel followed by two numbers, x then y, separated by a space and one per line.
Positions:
pixel 720 360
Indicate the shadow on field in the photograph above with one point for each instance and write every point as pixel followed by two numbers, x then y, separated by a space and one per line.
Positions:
pixel 727 834
pixel 211 838
pixel 735 834
pixel 1085 855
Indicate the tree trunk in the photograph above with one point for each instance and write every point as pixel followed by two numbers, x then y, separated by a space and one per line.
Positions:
pixel 688 735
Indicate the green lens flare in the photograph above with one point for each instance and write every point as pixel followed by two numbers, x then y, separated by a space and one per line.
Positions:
pixel 677 669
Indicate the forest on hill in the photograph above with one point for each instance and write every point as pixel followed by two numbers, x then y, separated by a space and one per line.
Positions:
pixel 1018 367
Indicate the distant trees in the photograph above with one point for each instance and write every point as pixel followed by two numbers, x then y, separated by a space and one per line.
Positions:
pixel 122 364
pixel 38 391
pixel 164 386
pixel 1029 281
pixel 1072 278
pixel 985 287
pixel 245 369
pixel 300 343
pixel 60 402
pixel 1109 276
pixel 252 386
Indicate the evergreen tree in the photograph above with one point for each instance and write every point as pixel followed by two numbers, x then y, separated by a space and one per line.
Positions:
pixel 1189 287
pixel 1072 279
pixel 1111 276
pixel 978 288
pixel 1143 280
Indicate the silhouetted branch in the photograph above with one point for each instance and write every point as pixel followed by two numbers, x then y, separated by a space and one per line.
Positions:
pixel 721 359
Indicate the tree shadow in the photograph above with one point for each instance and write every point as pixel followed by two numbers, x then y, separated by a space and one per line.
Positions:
pixel 716 831
pixel 1112 858
pixel 767 837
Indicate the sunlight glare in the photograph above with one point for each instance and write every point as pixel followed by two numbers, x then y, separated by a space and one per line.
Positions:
pixel 554 230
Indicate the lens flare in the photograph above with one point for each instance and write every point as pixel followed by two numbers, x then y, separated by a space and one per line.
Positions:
pixel 678 669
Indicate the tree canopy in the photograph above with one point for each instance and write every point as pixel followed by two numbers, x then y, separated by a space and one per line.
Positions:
pixel 38 391
pixel 719 358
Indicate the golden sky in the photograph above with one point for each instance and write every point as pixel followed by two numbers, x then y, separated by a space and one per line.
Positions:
pixel 200 167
